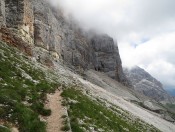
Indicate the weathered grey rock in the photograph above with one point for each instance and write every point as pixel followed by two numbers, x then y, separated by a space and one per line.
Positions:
pixel 76 50
pixel 52 38
pixel 54 33
pixel 107 58
pixel 2 13
pixel 17 24
pixel 17 15
pixel 146 84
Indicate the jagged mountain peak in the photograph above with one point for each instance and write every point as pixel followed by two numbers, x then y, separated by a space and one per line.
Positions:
pixel 146 84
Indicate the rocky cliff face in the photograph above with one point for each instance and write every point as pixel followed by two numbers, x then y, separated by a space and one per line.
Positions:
pixel 146 84
pixel 107 58
pixel 42 32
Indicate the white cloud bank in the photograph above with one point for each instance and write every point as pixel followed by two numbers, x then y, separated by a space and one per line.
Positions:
pixel 145 30
pixel 157 56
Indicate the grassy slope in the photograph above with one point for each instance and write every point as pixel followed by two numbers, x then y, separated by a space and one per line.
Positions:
pixel 23 89
pixel 87 115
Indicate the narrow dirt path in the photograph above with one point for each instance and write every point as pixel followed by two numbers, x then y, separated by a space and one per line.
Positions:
pixel 54 121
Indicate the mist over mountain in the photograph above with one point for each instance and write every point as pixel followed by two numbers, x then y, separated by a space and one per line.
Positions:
pixel 61 67
pixel 144 30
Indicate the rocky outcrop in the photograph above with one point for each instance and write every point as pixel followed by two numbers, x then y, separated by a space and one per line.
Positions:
pixel 107 58
pixel 41 31
pixel 144 83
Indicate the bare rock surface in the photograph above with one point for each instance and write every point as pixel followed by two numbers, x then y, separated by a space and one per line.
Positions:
pixel 144 83
pixel 36 27
pixel 107 57
pixel 102 80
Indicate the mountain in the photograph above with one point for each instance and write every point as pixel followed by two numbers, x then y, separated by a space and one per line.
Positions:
pixel 55 76
pixel 27 87
pixel 144 83
pixel 43 32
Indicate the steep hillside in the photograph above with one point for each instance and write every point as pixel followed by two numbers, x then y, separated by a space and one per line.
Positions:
pixel 24 84
pixel 42 53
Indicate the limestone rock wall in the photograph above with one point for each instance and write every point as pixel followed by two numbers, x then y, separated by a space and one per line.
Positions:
pixel 16 24
pixel 36 28
pixel 107 57
pixel 19 16
pixel 2 13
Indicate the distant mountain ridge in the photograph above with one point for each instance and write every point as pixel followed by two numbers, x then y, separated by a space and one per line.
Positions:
pixel 144 83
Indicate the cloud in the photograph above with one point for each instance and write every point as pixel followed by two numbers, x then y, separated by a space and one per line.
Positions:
pixel 144 30
pixel 122 18
pixel 155 55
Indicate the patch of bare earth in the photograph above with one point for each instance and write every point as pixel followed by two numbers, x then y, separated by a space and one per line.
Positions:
pixel 54 121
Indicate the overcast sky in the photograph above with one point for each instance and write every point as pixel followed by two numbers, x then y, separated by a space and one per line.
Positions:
pixel 144 30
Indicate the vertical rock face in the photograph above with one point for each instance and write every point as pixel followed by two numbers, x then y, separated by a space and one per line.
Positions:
pixel 16 24
pixel 47 27
pixel 2 13
pixel 14 14
pixel 105 53
pixel 107 58
pixel 58 37
pixel 19 15
pixel 47 33
pixel 34 27
pixel 77 50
